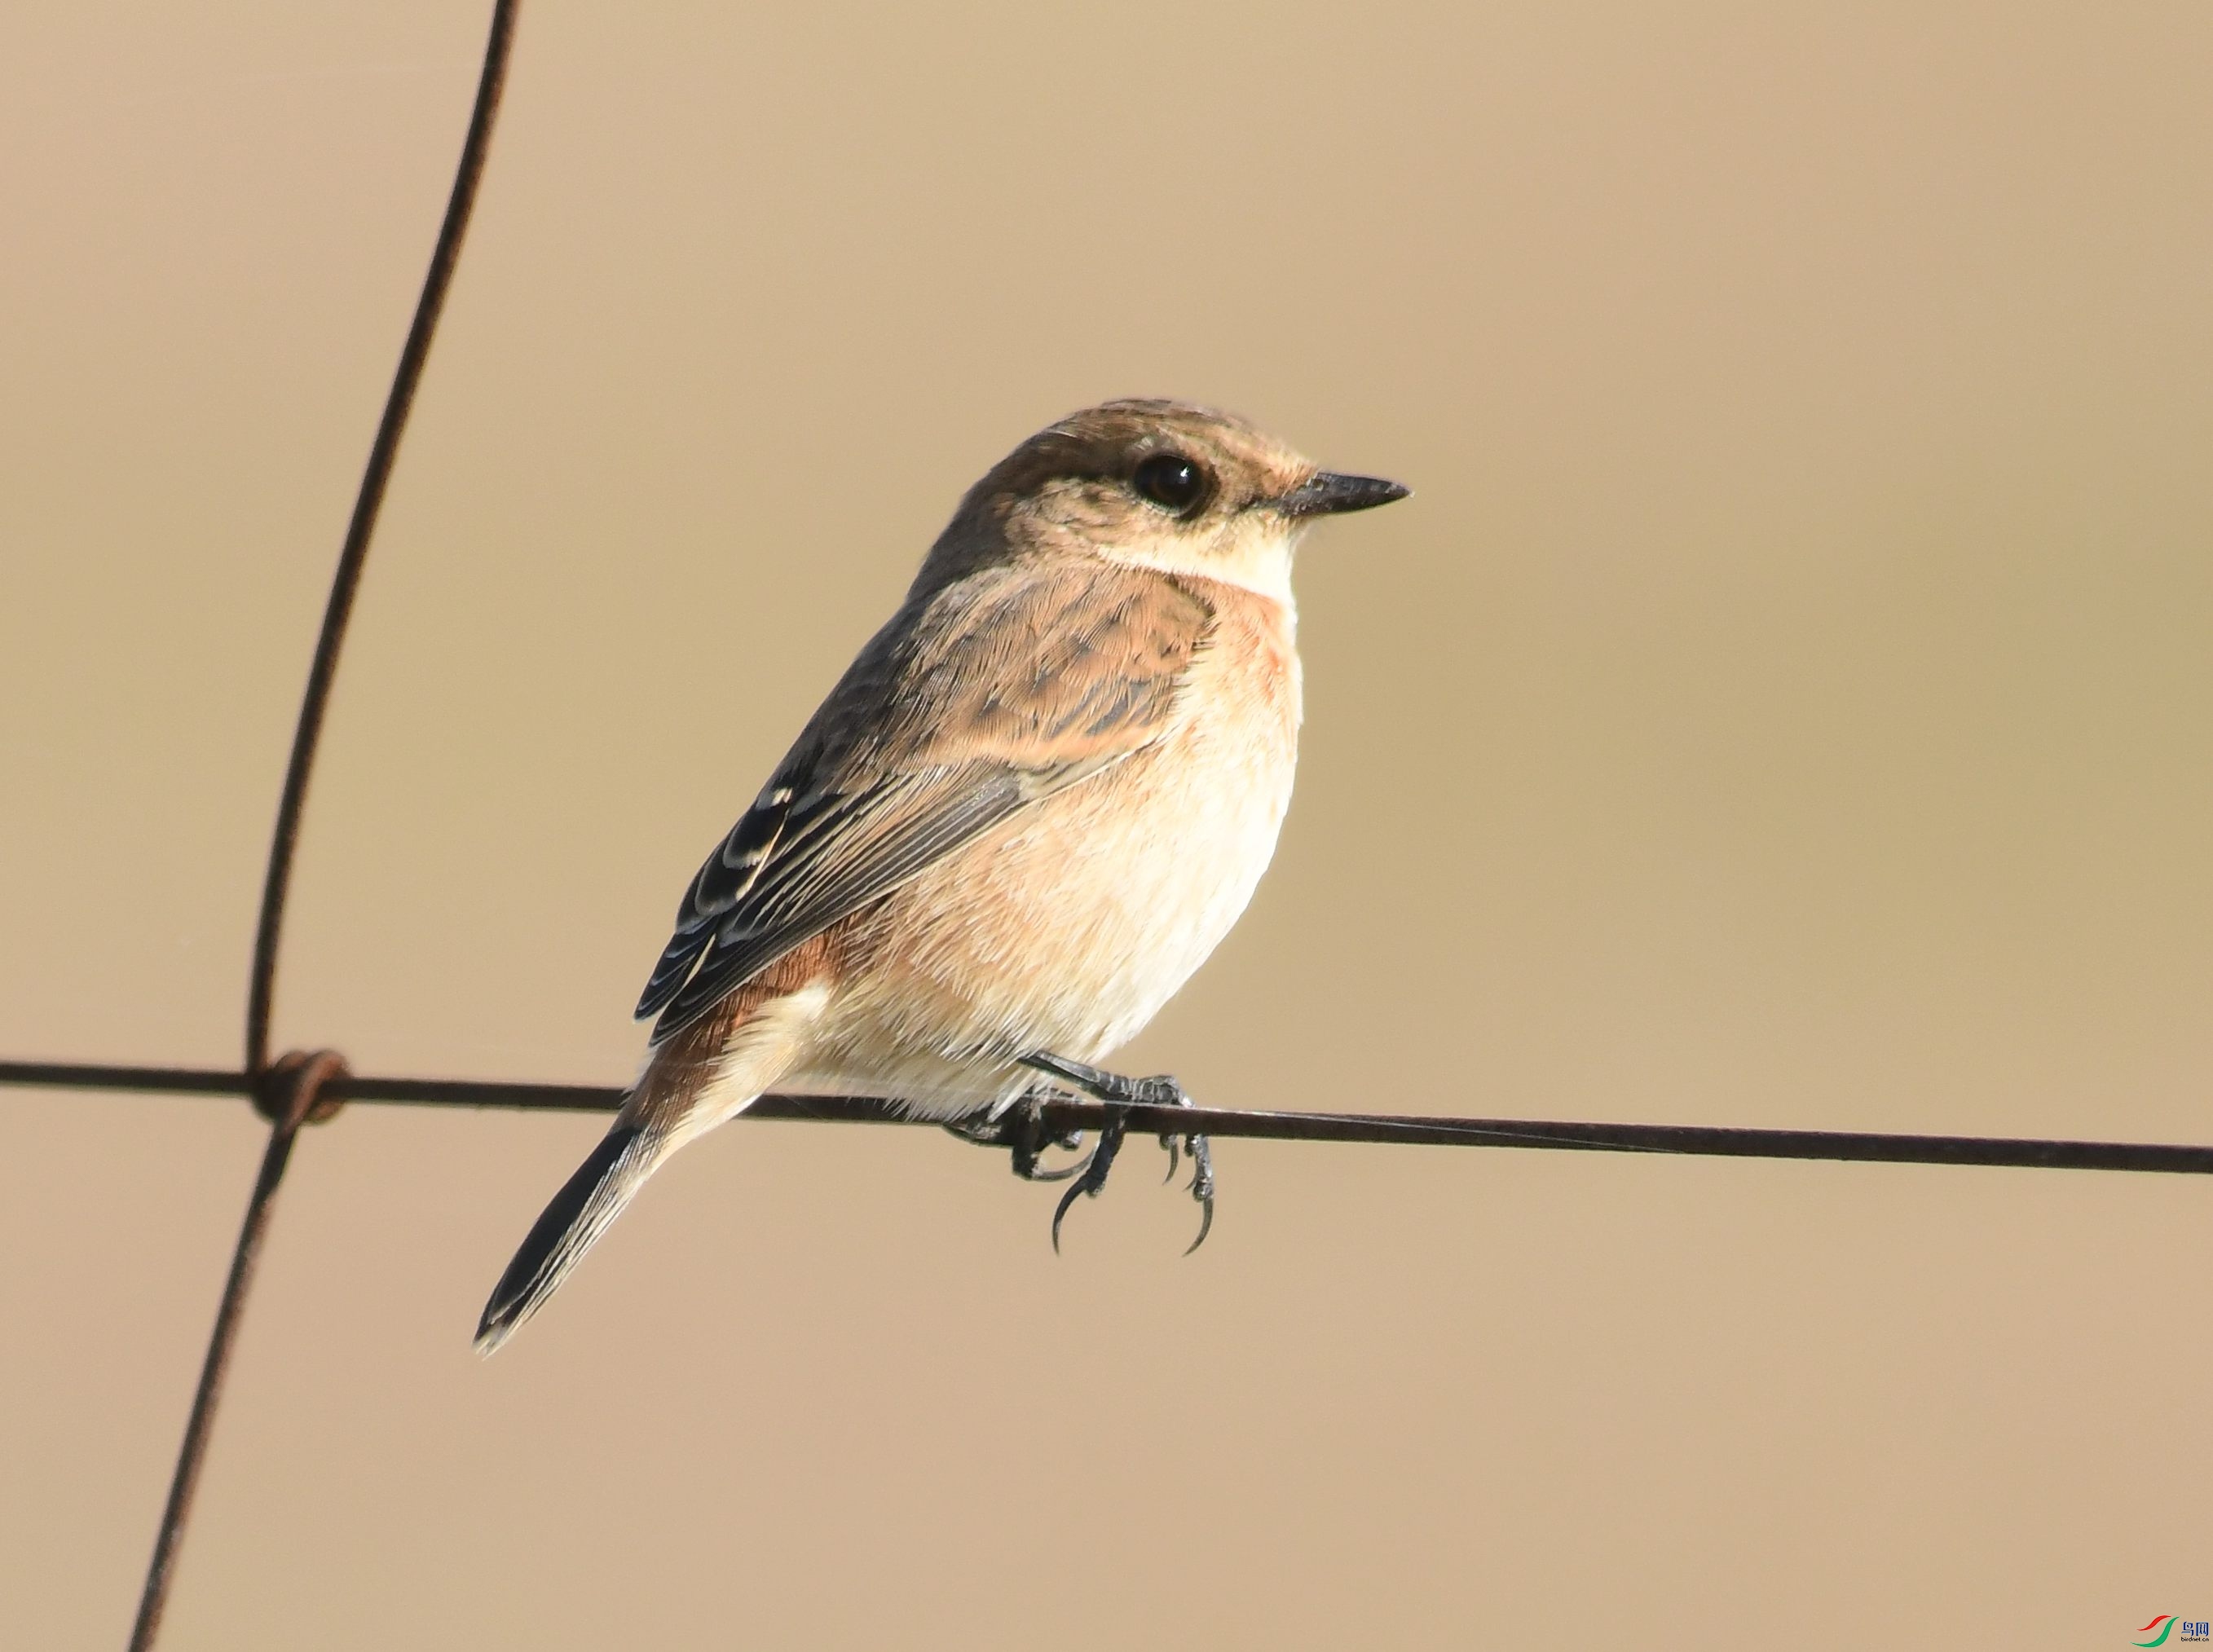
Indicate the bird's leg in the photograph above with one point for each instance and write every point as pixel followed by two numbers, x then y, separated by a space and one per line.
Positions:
pixel 1094 1170
pixel 1118 1092
pixel 1019 1126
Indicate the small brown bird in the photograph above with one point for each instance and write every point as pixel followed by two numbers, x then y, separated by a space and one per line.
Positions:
pixel 1034 804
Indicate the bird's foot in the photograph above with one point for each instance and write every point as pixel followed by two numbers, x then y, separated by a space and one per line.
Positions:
pixel 1019 1126
pixel 1117 1093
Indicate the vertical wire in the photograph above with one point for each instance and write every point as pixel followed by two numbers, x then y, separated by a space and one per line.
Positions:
pixel 375 477
pixel 287 1092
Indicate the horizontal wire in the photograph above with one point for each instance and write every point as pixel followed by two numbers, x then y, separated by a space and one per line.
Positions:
pixel 1058 1115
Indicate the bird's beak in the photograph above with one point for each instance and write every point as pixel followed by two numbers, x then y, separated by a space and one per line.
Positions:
pixel 1328 493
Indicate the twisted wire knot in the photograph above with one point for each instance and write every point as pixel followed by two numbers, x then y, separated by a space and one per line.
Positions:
pixel 290 1091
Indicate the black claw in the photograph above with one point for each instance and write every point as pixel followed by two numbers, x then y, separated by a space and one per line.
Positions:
pixel 1039 1172
pixel 1020 1128
pixel 1205 1223
pixel 1202 1187
pixel 1060 1210
pixel 1094 1172
pixel 1117 1091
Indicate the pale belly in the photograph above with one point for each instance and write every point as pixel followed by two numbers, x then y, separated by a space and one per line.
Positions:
pixel 1067 930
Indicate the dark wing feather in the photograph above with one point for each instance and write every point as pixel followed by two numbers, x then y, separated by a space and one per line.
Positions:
pixel 727 873
pixel 973 703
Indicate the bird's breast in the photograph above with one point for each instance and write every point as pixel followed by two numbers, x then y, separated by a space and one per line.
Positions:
pixel 1071 927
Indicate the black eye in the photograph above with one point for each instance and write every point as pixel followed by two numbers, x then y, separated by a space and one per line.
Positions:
pixel 1173 482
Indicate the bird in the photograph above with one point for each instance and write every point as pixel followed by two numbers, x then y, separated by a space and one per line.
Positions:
pixel 1034 803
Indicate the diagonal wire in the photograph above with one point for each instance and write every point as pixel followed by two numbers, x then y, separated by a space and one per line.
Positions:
pixel 288 1094
pixel 376 476
pixel 285 1129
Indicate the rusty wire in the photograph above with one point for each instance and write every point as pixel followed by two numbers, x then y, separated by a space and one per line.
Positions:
pixel 290 1094
pixel 1060 1115
pixel 353 554
pixel 293 1091
pixel 299 1088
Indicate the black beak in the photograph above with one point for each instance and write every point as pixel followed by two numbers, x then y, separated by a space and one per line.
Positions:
pixel 1326 493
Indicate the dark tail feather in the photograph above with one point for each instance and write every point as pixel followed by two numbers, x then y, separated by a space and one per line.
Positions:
pixel 579 1214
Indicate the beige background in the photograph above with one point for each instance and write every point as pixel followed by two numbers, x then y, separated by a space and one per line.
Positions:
pixel 1786 701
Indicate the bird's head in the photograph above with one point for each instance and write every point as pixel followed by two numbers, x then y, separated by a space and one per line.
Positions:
pixel 1159 484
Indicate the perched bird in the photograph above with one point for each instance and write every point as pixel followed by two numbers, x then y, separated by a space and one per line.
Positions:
pixel 1032 805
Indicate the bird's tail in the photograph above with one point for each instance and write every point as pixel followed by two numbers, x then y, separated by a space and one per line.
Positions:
pixel 606 1181
pixel 709 1072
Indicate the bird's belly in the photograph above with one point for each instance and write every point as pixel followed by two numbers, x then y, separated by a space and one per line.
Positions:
pixel 1067 930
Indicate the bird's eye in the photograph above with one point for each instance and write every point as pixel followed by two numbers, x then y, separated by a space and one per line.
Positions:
pixel 1174 483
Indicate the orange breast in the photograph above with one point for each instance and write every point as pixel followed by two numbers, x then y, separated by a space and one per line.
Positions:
pixel 1069 928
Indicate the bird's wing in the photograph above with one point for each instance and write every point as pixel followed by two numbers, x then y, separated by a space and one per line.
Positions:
pixel 997 691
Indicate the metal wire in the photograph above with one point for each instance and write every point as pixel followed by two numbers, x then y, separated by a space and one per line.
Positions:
pixel 1060 1116
pixel 291 1093
pixel 304 1076
pixel 301 1089
pixel 376 476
